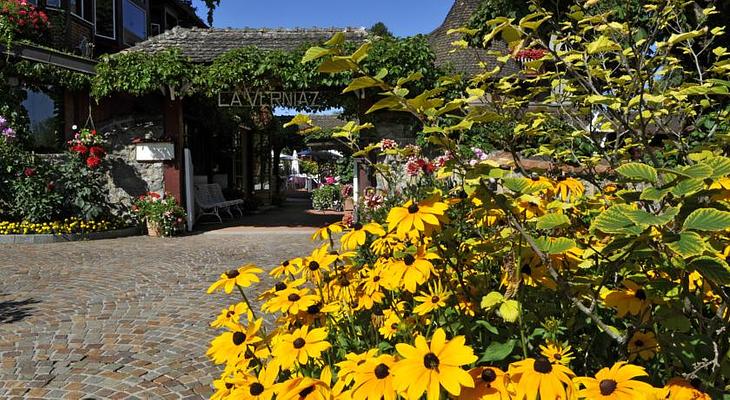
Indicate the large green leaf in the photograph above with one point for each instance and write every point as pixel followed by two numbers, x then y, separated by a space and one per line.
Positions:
pixel 720 166
pixel 697 171
pixel 614 220
pixel 687 186
pixel 638 171
pixel 653 194
pixel 551 221
pixel 551 245
pixel 707 219
pixel 688 244
pixel 641 217
pixel 712 268
pixel 498 351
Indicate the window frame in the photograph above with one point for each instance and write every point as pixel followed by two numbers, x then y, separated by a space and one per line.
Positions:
pixel 114 21
pixel 145 25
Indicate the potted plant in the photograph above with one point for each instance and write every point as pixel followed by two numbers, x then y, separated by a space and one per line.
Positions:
pixel 163 216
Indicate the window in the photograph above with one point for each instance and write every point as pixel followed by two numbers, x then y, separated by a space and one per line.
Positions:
pixel 82 8
pixel 105 14
pixel 135 22
pixel 51 3
pixel 44 113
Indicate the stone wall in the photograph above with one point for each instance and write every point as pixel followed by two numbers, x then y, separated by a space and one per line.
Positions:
pixel 127 177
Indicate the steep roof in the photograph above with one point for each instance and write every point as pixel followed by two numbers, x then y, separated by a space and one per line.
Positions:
pixel 467 60
pixel 204 45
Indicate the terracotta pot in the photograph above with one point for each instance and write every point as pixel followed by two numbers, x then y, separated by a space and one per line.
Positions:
pixel 153 229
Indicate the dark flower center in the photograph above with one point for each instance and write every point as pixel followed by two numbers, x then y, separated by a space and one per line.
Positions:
pixel 229 386
pixel 488 375
pixel 376 278
pixel 280 286
pixel 382 371
pixel 306 392
pixel 394 325
pixel 360 362
pixel 526 270
pixel 313 309
pixel 229 314
pixel 413 208
pixel 607 386
pixel 256 389
pixel 377 311
pixel 435 299
pixel 640 294
pixel 285 263
pixel 313 266
pixel 543 366
pixel 293 297
pixel 238 338
pixel 357 226
pixel 639 343
pixel 430 361
pixel 299 343
pixel 344 282
pixel 409 260
pixel 558 356
pixel 232 274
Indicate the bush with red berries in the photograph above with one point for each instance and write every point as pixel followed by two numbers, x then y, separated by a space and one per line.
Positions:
pixel 22 19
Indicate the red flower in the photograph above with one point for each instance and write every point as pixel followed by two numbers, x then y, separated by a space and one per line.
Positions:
pixel 80 148
pixel 93 162
pixel 51 186
pixel 28 171
pixel 97 151
pixel 154 195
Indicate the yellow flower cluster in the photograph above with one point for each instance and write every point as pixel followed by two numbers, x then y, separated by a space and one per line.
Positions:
pixel 378 331
pixel 65 227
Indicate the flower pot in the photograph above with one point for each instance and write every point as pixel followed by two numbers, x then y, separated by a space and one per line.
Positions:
pixel 154 229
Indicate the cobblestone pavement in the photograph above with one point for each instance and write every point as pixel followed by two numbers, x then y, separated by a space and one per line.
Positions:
pixel 120 319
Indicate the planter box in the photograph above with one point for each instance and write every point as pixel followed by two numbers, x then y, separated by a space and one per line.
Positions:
pixel 163 151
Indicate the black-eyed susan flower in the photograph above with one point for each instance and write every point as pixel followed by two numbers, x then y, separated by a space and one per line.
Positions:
pixel 390 327
pixel 411 270
pixel 352 362
pixel 230 317
pixel 300 346
pixel 434 299
pixel 304 388
pixel 490 383
pixel 430 366
pixel 420 216
pixel 288 267
pixel 244 276
pixel 291 301
pixel 388 244
pixel 616 383
pixel 539 376
pixel 557 353
pixel 357 236
pixel 374 380
pixel 530 206
pixel 258 387
pixel 569 189
pixel 230 347
pixel 314 266
pixel 632 300
pixel 681 389
pixel 326 232
pixel 643 345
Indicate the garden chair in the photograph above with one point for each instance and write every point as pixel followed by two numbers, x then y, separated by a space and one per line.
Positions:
pixel 206 203
pixel 217 193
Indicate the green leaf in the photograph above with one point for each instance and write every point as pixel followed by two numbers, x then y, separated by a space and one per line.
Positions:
pixel 336 40
pixel 689 244
pixel 614 220
pixel 335 65
pixel 681 37
pixel 641 217
pixel 551 221
pixel 552 245
pixel 509 310
pixel 517 185
pixel 361 53
pixel 491 299
pixel 712 268
pixel 638 171
pixel 653 194
pixel 687 187
pixel 498 351
pixel 720 166
pixel 707 219
pixel 486 325
pixel 362 82
pixel 697 171
pixel 602 45
pixel 314 53
pixel 388 102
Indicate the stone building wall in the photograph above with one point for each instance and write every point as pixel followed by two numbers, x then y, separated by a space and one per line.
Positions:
pixel 129 178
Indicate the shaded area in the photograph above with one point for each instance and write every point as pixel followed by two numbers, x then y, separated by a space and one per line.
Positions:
pixel 14 311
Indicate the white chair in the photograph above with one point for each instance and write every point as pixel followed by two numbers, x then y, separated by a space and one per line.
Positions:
pixel 216 193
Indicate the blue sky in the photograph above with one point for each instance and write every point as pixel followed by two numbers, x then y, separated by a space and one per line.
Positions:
pixel 403 17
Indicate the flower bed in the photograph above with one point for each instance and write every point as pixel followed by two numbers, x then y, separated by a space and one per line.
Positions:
pixel 65 227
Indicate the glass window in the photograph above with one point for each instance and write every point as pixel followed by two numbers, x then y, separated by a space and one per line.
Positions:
pixel 52 3
pixel 82 8
pixel 135 22
pixel 105 25
pixel 44 113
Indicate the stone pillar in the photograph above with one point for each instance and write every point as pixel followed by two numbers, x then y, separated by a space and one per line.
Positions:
pixel 172 111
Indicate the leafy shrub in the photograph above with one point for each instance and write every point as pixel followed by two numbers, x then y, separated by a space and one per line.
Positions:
pixel 309 167
pixel 163 213
pixel 327 197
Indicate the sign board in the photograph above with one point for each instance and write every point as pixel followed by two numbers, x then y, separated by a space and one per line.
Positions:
pixel 163 151
pixel 271 99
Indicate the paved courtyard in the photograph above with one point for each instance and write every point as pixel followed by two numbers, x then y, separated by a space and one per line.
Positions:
pixel 124 318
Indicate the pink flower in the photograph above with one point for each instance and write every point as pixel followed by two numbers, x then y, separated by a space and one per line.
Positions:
pixel 28 172
pixel 388 144
pixel 329 180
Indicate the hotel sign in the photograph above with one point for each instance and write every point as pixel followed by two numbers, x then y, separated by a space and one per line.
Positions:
pixel 272 99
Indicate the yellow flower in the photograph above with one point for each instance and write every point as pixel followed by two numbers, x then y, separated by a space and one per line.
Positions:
pixel 244 276
pixel 357 236
pixel 422 216
pixel 436 298
pixel 681 389
pixel 390 327
pixel 303 388
pixel 258 387
pixel 489 384
pixel 569 189
pixel 289 267
pixel 229 317
pixel 301 345
pixel 290 301
pixel 427 367
pixel 319 261
pixel 557 353
pixel 230 347
pixel 532 376
pixel 411 270
pixel 388 244
pixel 325 232
pixel 644 345
pixel 350 365
pixel 632 300
pixel 374 380
pixel 616 383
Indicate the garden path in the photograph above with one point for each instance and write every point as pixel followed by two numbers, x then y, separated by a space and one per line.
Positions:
pixel 125 318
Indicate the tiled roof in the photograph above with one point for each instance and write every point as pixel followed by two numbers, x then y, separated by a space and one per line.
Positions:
pixel 204 45
pixel 467 60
